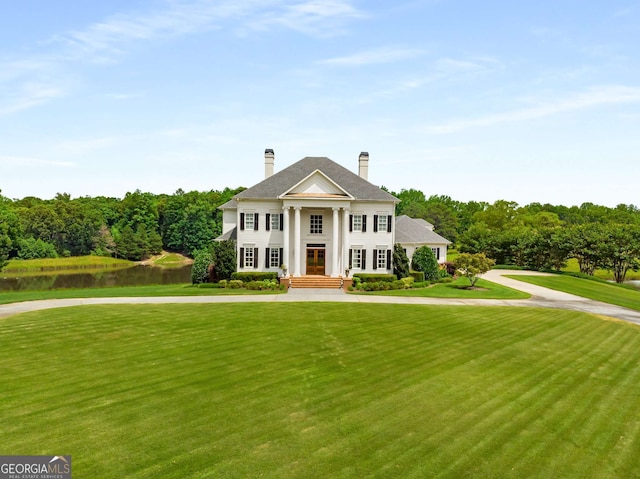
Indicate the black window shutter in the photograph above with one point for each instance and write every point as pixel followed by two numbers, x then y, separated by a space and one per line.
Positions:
pixel 364 259
pixel 241 221
pixel 437 253
pixel 375 223
pixel 280 260
pixel 375 258
pixel 364 223
pixel 389 224
pixel 242 257
pixel 350 257
pixel 281 221
pixel 388 259
pixel 255 221
pixel 267 225
pixel 266 258
pixel 350 223
pixel 255 257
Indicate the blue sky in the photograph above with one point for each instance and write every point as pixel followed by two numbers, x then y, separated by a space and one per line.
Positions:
pixel 523 101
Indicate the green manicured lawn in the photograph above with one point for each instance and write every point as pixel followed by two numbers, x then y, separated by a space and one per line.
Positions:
pixel 321 390
pixel 124 291
pixel 457 289
pixel 607 293
pixel 573 267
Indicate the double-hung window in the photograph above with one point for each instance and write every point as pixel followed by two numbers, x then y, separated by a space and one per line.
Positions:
pixel 382 222
pixel 249 223
pixel 275 222
pixel 356 258
pixel 357 223
pixel 381 260
pixel 274 258
pixel 249 257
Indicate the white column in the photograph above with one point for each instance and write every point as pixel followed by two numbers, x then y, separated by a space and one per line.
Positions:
pixel 345 239
pixel 296 243
pixel 285 241
pixel 335 244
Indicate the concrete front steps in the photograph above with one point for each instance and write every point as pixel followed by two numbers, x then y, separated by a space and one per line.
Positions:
pixel 316 282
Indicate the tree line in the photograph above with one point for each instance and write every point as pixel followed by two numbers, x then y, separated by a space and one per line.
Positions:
pixel 134 227
pixel 537 236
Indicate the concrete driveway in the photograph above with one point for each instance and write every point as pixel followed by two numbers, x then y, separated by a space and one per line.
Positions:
pixel 541 297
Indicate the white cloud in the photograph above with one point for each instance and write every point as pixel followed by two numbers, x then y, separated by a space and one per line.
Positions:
pixel 26 96
pixel 597 96
pixel 369 57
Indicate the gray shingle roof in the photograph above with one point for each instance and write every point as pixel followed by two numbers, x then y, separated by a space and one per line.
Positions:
pixel 231 234
pixel 410 230
pixel 280 182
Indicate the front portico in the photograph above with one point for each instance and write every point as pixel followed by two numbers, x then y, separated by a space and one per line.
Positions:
pixel 316 231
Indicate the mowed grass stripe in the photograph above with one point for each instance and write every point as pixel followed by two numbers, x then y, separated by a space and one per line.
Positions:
pixel 322 390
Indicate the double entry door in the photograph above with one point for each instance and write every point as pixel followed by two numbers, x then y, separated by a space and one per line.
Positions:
pixel 315 260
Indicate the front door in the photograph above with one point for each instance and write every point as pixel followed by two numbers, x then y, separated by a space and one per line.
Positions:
pixel 315 261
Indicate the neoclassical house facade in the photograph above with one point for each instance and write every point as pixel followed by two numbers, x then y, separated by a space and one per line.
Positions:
pixel 314 217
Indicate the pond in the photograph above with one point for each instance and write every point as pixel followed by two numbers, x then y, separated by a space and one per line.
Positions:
pixel 135 276
pixel 635 283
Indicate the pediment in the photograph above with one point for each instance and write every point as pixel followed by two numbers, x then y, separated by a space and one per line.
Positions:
pixel 316 185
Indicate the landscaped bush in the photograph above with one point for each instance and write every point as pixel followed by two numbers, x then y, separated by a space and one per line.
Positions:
pixel 374 278
pixel 418 276
pixel 424 260
pixel 234 284
pixel 267 284
pixel 254 276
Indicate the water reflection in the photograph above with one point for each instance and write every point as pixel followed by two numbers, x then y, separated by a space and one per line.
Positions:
pixel 135 276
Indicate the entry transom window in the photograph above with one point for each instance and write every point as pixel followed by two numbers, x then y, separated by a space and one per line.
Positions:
pixel 315 224
pixel 357 222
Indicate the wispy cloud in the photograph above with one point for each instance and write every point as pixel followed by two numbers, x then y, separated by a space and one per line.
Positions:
pixel 376 56
pixel 28 95
pixel 320 18
pixel 597 96
pixel 107 41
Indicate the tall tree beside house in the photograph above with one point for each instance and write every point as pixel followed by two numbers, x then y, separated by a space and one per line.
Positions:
pixel 202 260
pixel 224 259
pixel 424 260
pixel 400 262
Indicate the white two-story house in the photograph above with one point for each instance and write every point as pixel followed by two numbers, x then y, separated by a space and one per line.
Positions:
pixel 315 217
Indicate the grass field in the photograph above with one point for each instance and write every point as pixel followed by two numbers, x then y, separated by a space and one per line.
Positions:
pixel 7 297
pixel 320 390
pixel 607 293
pixel 572 267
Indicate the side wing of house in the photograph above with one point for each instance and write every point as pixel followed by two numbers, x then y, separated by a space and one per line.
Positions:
pixel 414 233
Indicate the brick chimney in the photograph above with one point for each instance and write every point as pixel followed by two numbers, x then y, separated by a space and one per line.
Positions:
pixel 268 163
pixel 363 166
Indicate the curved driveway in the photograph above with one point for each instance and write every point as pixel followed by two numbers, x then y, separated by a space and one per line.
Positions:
pixel 541 297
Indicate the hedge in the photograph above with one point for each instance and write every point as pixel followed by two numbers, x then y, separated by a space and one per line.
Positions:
pixel 254 276
pixel 375 278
